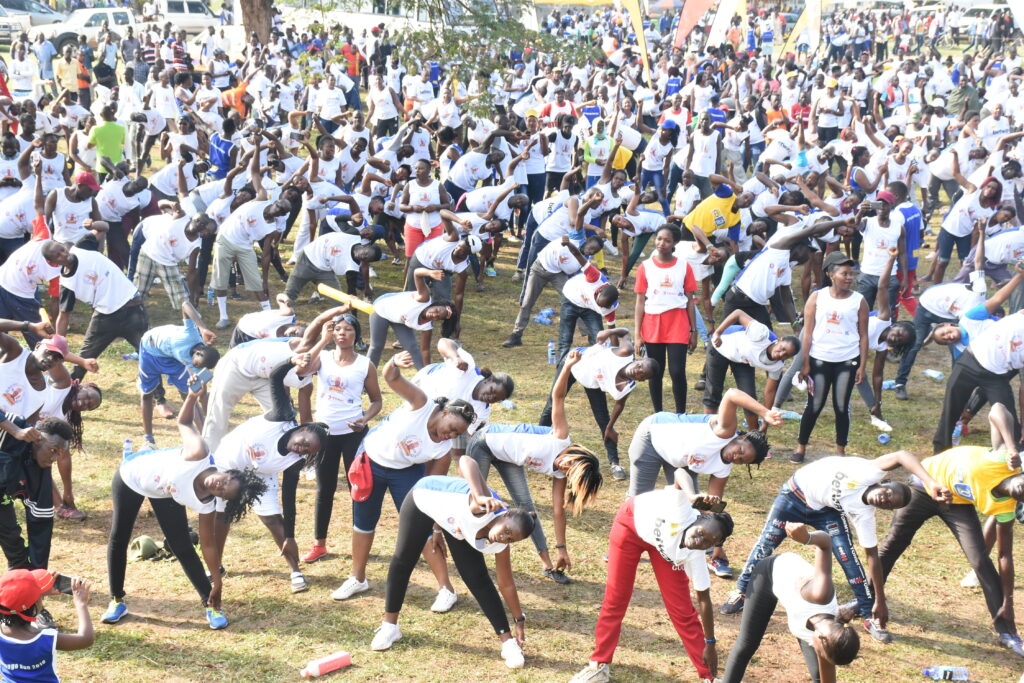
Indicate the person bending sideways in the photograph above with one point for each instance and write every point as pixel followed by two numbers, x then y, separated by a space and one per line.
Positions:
pixel 472 521
pixel 665 525
pixel 174 479
pixel 981 481
pixel 830 494
pixel 809 597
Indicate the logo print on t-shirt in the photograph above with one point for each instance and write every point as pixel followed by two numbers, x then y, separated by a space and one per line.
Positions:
pixel 410 445
pixel 256 452
pixel 833 318
pixel 13 394
pixel 71 218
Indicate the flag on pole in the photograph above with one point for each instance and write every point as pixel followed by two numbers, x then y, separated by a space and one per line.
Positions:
pixel 723 18
pixel 636 20
pixel 798 28
pixel 691 13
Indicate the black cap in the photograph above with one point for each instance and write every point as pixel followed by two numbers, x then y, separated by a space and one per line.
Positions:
pixel 836 259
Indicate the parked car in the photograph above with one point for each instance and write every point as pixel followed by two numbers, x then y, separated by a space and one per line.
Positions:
pixel 195 16
pixel 9 28
pixel 87 22
pixel 30 13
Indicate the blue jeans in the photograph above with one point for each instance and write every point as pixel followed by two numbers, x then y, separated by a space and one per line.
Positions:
pixel 656 178
pixel 789 508
pixel 923 321
pixel 756 150
pixel 592 180
pixel 569 314
pixel 867 287
pixel 675 176
pixel 138 239
pixel 366 514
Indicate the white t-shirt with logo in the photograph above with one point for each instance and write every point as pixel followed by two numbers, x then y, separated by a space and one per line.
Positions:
pixel 661 518
pixel 839 482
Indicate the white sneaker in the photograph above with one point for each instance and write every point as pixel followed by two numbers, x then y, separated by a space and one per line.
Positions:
pixel 350 588
pixel 385 636
pixel 593 673
pixel 970 581
pixel 444 602
pixel 512 654
pixel 298 582
pixel 879 423
pixel 611 248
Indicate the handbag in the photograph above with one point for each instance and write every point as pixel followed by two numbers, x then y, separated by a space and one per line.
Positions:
pixel 360 478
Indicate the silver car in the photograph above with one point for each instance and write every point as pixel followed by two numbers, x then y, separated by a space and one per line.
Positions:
pixel 30 13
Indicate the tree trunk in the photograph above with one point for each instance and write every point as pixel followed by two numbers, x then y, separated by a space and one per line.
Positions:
pixel 256 17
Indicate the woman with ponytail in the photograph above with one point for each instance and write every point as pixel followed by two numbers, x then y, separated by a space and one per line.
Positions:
pixel 67 399
pixel 574 470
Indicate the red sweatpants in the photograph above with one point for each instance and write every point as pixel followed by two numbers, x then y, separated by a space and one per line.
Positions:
pixel 909 302
pixel 624 550
pixel 414 237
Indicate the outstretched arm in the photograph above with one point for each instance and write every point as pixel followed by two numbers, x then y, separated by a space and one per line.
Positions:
pixel 399 384
pixel 193 447
pixel 909 462
pixel 559 421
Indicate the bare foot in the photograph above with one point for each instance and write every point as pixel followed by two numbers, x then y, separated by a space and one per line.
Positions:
pixel 162 410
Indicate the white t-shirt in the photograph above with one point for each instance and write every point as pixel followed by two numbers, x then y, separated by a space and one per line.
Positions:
pixel 333 252
pixel 98 282
pixel 790 573
pixel 764 273
pixel 166 243
pixel 26 269
pixel 401 439
pixel 446 501
pixel 949 300
pixel 688 441
pixel 750 345
pixel 839 482
pixel 247 224
pixel 661 518
pixel 1000 348
pixel 526 445
pixel 256 444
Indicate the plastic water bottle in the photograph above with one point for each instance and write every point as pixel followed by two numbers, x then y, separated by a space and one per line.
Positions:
pixel 547 312
pixel 889 384
pixel 791 415
pixel 957 432
pixel 884 438
pixel 126 449
pixel 508 404
pixel 947 673
pixel 541 319
pixel 130 356
pixel 551 352
pixel 935 375
pixel 325 665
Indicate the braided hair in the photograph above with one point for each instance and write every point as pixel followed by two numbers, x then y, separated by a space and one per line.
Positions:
pixel 74 417
pixel 759 441
pixel 252 489
pixel 321 432
pixel 457 407
pixel 897 350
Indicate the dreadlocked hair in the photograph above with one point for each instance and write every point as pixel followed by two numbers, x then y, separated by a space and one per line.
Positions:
pixel 583 478
pixel 760 443
pixel 252 488
pixel 321 431
pixel 897 350
pixel 74 417
pixel 457 407
pixel 54 426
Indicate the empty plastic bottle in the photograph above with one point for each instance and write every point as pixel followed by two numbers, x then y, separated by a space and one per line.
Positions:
pixel 791 415
pixel 325 665
pixel 551 352
pixel 126 449
pixel 209 297
pixel 935 375
pixel 130 356
pixel 947 673
pixel 547 312
pixel 958 431
pixel 889 384
pixel 542 319
pixel 884 438
pixel 508 404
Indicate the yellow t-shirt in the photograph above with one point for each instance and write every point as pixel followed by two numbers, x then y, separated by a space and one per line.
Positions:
pixel 971 472
pixel 67 74
pixel 714 213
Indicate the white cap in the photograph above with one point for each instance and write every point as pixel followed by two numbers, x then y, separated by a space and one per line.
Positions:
pixel 475 243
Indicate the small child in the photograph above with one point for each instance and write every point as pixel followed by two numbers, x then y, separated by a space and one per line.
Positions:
pixel 28 653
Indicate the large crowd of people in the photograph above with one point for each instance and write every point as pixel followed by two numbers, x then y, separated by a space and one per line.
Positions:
pixel 781 194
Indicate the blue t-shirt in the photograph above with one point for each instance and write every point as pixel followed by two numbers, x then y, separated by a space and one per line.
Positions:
pixel 912 232
pixel 29 660
pixel 173 341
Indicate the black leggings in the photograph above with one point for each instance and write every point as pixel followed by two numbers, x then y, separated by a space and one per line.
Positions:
pixel 173 520
pixel 758 607
pixel 837 378
pixel 414 529
pixel 599 407
pixel 967 378
pixel 340 448
pixel 676 370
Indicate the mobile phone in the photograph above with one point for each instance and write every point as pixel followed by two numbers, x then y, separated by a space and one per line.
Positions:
pixel 199 379
pixel 294 135
pixel 63 584
pixel 709 507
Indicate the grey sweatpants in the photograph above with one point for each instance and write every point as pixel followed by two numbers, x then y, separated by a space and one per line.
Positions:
pixel 645 464
pixel 304 273
pixel 406 337
pixel 538 278
pixel 514 477
pixel 230 385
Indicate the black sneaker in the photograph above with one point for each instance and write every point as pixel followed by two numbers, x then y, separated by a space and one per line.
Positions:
pixel 796 458
pixel 45 620
pixel 699 386
pixel 901 392
pixel 557 575
pixel 618 473
pixel 513 340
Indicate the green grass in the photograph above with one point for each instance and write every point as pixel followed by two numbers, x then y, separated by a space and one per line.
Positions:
pixel 273 633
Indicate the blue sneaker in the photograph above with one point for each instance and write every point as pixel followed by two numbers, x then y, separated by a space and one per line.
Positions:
pixel 720 567
pixel 115 612
pixel 489 271
pixel 1012 642
pixel 216 618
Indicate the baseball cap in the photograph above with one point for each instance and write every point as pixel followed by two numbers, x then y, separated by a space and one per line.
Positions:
pixel 831 82
pixel 475 243
pixel 836 259
pixel 20 589
pixel 531 112
pixel 87 179
pixel 887 197
pixel 669 124
pixel 57 344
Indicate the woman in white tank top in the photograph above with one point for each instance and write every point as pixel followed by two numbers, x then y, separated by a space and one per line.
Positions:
pixel 175 479
pixel 808 596
pixel 422 201
pixel 83 156
pixel 342 376
pixel 409 312
pixel 835 350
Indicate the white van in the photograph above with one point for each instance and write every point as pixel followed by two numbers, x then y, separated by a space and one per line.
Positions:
pixel 195 16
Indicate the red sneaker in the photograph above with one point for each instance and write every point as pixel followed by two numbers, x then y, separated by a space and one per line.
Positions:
pixel 315 554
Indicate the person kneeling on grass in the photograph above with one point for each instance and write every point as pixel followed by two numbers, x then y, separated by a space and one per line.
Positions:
pixel 174 479
pixel 472 521
pixel 667 525
pixel 809 598
pixel 28 652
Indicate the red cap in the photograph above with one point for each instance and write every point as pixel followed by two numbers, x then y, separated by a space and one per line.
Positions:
pixel 20 589
pixel 87 179
pixel 58 344
pixel 887 197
